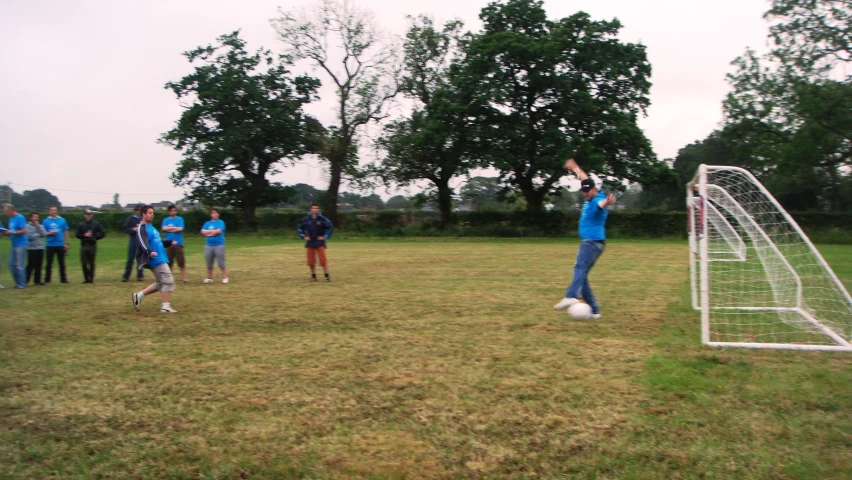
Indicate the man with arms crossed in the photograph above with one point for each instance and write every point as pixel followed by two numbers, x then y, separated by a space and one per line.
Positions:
pixel 89 232
pixel 35 250
pixel 173 225
pixel 58 241
pixel 214 245
pixel 20 241
pixel 593 235
pixel 315 230
pixel 152 254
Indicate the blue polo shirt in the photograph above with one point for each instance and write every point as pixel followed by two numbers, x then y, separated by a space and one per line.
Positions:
pixel 176 237
pixel 215 240
pixel 16 223
pixel 155 244
pixel 593 219
pixel 57 225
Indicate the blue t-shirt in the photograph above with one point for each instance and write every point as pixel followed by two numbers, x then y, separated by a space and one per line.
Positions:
pixel 16 223
pixel 57 225
pixel 155 244
pixel 215 240
pixel 177 237
pixel 593 219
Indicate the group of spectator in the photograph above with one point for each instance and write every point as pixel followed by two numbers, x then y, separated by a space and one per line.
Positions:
pixel 34 240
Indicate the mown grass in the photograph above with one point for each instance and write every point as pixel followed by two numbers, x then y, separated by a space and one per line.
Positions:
pixel 422 359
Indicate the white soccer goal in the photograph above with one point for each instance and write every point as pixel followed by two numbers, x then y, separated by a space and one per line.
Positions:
pixel 756 277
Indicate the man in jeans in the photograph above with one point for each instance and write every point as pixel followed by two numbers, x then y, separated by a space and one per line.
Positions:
pixel 131 226
pixel 20 241
pixel 35 250
pixel 593 235
pixel 58 241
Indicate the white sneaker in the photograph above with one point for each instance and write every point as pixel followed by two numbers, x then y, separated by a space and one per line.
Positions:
pixel 136 301
pixel 225 281
pixel 208 280
pixel 168 309
pixel 594 316
pixel 565 303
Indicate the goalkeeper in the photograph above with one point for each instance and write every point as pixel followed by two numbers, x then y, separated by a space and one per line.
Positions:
pixel 593 236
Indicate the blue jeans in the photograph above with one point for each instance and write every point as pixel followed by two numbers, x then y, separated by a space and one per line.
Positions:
pixel 587 255
pixel 18 266
pixel 131 257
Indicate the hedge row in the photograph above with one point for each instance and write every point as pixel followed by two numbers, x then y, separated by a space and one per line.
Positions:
pixel 822 226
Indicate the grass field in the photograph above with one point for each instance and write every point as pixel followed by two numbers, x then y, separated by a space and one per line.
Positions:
pixel 422 359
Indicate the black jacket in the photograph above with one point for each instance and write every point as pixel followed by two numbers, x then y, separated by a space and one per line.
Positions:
pixel 315 227
pixel 131 222
pixel 94 227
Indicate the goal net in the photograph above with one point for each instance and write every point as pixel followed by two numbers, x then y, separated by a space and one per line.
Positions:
pixel 755 276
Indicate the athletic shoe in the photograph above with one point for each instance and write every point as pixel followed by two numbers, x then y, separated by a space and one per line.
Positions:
pixel 565 303
pixel 225 281
pixel 327 279
pixel 168 309
pixel 208 280
pixel 594 316
pixel 2 287
pixel 136 301
pixel 123 279
pixel 313 279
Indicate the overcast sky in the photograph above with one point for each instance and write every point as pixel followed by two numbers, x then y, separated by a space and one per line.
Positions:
pixel 83 103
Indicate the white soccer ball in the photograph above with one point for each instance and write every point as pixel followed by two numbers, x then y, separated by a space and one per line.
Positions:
pixel 580 311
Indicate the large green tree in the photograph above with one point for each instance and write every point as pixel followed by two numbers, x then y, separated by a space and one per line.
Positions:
pixel 431 143
pixel 789 114
pixel 546 90
pixel 242 122
pixel 344 42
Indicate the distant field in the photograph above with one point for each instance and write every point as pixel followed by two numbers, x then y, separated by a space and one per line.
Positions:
pixel 422 359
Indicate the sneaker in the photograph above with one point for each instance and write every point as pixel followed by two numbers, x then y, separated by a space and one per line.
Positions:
pixel 594 316
pixel 136 301
pixel 2 287
pixel 168 309
pixel 208 280
pixel 565 303
pixel 122 279
pixel 313 279
pixel 225 281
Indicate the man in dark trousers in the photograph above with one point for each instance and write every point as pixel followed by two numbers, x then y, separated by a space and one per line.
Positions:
pixel 89 232
pixel 131 225
pixel 315 230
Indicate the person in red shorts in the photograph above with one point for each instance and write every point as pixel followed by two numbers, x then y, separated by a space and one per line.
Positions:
pixel 315 230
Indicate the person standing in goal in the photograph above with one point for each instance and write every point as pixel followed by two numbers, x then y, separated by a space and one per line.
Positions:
pixel 152 255
pixel 315 230
pixel 593 236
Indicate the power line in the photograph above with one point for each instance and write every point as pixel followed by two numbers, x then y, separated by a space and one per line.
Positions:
pixel 94 193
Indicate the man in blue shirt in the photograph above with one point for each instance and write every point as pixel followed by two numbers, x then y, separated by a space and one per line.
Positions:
pixel 152 255
pixel 214 245
pixel 173 225
pixel 593 236
pixel 20 242
pixel 58 241
pixel 131 226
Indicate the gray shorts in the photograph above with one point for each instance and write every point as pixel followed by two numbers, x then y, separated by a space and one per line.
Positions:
pixel 218 252
pixel 163 279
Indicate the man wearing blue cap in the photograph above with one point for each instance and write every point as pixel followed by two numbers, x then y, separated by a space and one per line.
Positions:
pixel 593 236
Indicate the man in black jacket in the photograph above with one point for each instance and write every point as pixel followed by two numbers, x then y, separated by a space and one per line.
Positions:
pixel 89 232
pixel 315 229
pixel 131 225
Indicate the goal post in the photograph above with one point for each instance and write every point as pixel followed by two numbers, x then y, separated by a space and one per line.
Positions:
pixel 756 278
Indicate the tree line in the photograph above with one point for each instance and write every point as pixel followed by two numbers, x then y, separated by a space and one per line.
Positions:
pixel 518 96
